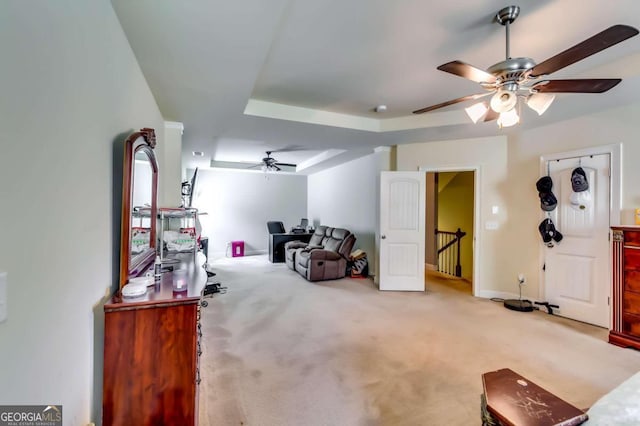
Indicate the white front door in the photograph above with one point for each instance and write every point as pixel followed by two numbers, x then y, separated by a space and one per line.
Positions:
pixel 402 221
pixel 577 268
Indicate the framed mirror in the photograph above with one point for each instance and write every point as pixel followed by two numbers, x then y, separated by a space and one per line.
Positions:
pixel 139 205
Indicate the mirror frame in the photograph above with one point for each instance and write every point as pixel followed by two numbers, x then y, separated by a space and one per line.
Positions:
pixel 145 141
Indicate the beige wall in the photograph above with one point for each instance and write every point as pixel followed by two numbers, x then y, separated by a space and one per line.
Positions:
pixel 70 88
pixel 347 196
pixel 489 155
pixel 617 126
pixel 238 204
pixel 509 168
pixel 455 210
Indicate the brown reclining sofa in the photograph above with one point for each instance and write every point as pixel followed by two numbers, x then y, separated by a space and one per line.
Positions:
pixel 324 257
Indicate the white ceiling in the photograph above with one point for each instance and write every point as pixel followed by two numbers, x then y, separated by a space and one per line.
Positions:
pixel 331 62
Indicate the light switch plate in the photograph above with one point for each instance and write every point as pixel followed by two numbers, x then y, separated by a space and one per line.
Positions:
pixel 491 225
pixel 3 296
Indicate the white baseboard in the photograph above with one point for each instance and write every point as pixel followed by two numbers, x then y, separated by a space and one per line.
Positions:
pixel 489 294
pixel 255 252
pixel 430 267
pixel 218 254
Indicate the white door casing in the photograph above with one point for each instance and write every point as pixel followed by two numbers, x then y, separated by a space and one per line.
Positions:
pixel 577 269
pixel 402 222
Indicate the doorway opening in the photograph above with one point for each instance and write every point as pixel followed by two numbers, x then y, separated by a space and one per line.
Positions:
pixel 449 228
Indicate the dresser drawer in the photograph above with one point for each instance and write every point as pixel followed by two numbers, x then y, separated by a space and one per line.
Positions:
pixel 631 324
pixel 632 281
pixel 631 303
pixel 632 238
pixel 631 258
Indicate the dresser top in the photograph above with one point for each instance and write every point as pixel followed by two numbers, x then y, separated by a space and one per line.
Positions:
pixel 162 293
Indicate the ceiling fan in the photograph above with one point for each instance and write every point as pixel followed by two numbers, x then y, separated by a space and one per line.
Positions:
pixel 516 78
pixel 270 164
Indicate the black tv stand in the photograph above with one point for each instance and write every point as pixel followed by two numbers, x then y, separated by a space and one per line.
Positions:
pixel 277 241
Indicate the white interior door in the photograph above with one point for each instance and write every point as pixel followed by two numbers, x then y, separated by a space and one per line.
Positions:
pixel 577 268
pixel 402 221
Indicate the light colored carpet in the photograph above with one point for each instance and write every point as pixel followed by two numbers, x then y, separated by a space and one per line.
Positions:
pixel 279 350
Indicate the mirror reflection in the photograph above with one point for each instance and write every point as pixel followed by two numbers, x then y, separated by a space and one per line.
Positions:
pixel 141 194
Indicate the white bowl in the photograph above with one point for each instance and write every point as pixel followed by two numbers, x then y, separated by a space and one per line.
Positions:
pixel 146 281
pixel 133 290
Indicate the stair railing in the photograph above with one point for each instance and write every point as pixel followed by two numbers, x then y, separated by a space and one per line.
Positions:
pixel 448 245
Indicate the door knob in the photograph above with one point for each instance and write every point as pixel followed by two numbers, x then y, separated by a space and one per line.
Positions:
pixel 383 236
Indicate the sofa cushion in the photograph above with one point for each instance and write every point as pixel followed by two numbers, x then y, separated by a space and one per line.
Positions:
pixel 335 239
pixel 332 244
pixel 339 233
pixel 318 236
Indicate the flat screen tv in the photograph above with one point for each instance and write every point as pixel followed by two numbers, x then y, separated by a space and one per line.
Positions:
pixel 192 189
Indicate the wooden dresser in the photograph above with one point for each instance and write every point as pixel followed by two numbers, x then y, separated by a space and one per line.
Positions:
pixel 151 354
pixel 626 287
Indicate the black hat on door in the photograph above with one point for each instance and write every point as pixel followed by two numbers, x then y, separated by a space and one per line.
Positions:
pixel 579 181
pixel 548 201
pixel 544 184
pixel 549 232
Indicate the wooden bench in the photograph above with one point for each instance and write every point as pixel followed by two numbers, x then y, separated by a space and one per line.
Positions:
pixel 510 399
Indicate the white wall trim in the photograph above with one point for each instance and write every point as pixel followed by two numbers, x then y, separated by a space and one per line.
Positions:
pixel 222 254
pixel 477 213
pixel 174 125
pixel 382 149
pixel 280 111
pixel 489 294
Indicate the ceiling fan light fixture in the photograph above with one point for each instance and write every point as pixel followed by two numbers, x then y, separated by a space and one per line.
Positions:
pixel 508 118
pixel 503 100
pixel 540 102
pixel 477 111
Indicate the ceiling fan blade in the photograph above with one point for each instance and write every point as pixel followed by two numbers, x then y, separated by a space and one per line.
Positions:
pixel 587 85
pixel 607 38
pixel 491 115
pixel 451 102
pixel 285 164
pixel 467 71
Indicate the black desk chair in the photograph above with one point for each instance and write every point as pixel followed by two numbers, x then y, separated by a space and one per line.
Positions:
pixel 276 227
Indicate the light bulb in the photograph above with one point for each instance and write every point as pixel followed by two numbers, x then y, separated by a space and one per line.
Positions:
pixel 477 111
pixel 539 102
pixel 503 100
pixel 508 118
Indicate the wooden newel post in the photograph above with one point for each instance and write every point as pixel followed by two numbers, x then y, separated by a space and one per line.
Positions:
pixel 459 235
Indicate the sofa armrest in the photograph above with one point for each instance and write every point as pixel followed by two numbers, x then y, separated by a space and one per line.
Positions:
pixel 294 245
pixel 320 254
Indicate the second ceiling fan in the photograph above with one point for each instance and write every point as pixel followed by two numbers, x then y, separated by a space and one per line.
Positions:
pixel 270 164
pixel 516 78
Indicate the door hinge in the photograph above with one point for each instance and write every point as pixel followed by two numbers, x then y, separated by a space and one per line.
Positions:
pixel 609 236
pixel 608 301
